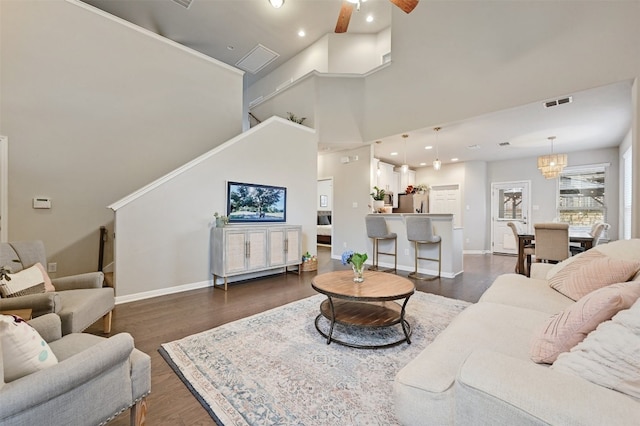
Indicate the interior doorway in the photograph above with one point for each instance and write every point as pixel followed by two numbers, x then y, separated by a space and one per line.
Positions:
pixel 324 208
pixel 509 203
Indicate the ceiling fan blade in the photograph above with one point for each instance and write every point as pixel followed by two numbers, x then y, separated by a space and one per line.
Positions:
pixel 406 5
pixel 345 15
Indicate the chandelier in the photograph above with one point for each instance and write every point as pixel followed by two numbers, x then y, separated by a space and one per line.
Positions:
pixel 551 165
pixel 437 163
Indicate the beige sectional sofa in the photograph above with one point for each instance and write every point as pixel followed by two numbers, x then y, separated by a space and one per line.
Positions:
pixel 479 370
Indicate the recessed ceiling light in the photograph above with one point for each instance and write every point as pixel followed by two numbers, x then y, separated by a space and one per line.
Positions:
pixel 369 18
pixel 276 3
pixel 454 159
pixel 230 47
pixel 301 33
pixel 423 164
pixel 394 153
pixel 428 147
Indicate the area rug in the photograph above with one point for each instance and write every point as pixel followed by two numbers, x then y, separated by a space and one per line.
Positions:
pixel 274 368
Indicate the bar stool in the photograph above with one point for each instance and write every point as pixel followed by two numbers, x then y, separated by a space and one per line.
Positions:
pixel 377 230
pixel 420 231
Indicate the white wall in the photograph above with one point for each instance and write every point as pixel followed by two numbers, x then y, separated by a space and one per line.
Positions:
pixel 350 197
pixel 458 59
pixel 333 53
pixel 162 243
pixel 95 109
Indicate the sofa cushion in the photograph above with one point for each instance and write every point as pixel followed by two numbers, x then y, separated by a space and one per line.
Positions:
pixel 620 249
pixel 609 355
pixel 426 383
pixel 23 350
pixel 518 290
pixel 569 327
pixel 83 307
pixel 590 271
pixel 31 280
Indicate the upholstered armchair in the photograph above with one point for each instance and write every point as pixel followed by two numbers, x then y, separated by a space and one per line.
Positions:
pixel 79 300
pixel 93 379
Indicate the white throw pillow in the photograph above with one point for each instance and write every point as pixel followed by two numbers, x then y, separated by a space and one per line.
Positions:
pixel 608 356
pixel 28 281
pixel 23 350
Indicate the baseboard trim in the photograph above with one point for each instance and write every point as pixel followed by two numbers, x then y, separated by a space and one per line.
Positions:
pixel 161 292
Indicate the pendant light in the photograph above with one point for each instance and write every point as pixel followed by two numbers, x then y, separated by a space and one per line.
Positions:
pixel 437 164
pixel 551 165
pixel 405 166
pixel 276 3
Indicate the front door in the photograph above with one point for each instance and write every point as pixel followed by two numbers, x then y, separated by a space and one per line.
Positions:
pixel 509 203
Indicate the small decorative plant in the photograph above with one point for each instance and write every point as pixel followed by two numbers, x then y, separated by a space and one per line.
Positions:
pixel 220 220
pixel 357 263
pixel 378 194
pixel 292 117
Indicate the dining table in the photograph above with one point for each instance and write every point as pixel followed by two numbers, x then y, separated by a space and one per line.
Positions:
pixel 583 238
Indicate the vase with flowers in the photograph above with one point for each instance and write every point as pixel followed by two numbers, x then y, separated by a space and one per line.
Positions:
pixel 356 260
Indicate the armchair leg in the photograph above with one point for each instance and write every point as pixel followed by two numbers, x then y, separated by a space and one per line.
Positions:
pixel 139 413
pixel 106 322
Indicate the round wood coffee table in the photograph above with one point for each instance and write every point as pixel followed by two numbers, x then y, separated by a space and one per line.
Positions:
pixel 367 304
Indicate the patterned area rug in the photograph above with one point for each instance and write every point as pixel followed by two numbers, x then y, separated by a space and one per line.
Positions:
pixel 274 368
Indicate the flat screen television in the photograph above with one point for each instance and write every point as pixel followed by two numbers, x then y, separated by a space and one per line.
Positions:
pixel 249 202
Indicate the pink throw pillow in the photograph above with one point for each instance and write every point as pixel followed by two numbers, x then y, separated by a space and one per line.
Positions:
pixel 568 328
pixel 593 270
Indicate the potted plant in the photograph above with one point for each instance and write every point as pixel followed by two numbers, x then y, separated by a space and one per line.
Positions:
pixel 378 199
pixel 221 221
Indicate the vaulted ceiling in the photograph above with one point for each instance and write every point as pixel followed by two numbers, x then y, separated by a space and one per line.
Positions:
pixel 228 30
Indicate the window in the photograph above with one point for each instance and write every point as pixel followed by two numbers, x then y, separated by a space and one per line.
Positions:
pixel 510 206
pixel 582 196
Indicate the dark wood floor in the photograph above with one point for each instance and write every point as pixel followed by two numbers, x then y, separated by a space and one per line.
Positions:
pixel 162 319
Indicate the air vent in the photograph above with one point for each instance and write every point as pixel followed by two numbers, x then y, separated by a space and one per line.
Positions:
pixel 473 147
pixel 258 58
pixel 557 102
pixel 184 3
pixel 504 144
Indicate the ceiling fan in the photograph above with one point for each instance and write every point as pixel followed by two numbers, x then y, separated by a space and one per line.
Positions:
pixel 347 9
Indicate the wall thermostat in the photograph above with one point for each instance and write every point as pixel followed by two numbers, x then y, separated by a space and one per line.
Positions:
pixel 42 203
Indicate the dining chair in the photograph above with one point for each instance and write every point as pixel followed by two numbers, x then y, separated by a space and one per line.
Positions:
pixel 597 229
pixel 551 242
pixel 529 249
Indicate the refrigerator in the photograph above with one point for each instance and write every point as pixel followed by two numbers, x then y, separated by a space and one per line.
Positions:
pixel 412 203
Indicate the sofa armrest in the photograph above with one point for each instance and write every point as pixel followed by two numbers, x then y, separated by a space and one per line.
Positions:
pixel 74 282
pixel 48 326
pixel 539 270
pixel 522 388
pixel 43 386
pixel 40 304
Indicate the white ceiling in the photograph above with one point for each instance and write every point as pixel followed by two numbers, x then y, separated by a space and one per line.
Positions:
pixel 597 118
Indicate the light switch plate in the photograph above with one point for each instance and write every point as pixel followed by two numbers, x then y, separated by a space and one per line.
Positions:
pixel 42 203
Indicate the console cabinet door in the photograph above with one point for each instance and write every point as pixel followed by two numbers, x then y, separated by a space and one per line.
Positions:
pixel 235 251
pixel 293 246
pixel 277 237
pixel 257 249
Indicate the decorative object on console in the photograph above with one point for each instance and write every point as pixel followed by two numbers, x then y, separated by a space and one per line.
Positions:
pixel 248 202
pixel 551 165
pixel 357 263
pixel 220 220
